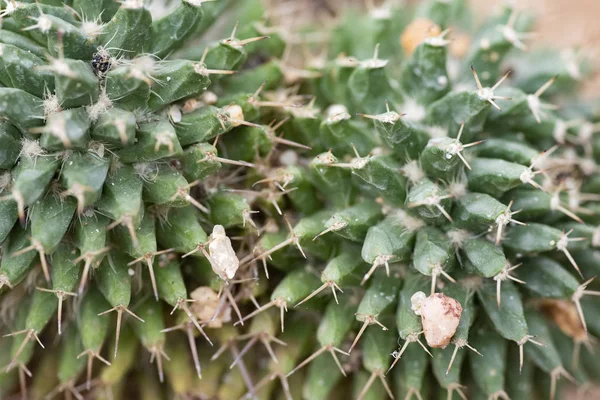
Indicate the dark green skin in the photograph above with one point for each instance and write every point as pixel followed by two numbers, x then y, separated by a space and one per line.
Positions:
pixel 588 261
pixel 304 198
pixel 21 109
pixel 494 176
pixel 334 184
pixel 78 89
pixel 225 55
pixel 547 278
pixel 8 217
pixel 50 219
pixel 149 331
pixel 532 238
pixel 477 211
pixel 508 150
pixel 308 227
pixel 202 125
pixel 191 168
pixel 462 108
pixel 21 41
pixel 183 81
pixel 296 286
pixel 407 322
pixel 413 368
pixel 163 185
pixel 566 348
pixel 359 380
pixel 148 134
pixel 107 129
pixel 380 177
pixel 103 9
pixel 93 327
pixel 358 219
pixel 129 31
pixel 440 362
pixel 544 357
pixel 248 143
pixel 367 86
pixel 432 249
pixel 336 322
pixel 90 232
pixel 421 191
pixel 376 345
pixel 43 307
pixel 532 202
pixel 16 267
pixel 170 32
pixel 316 387
pixel 31 177
pixel 487 258
pixel 388 238
pixel 181 231
pixel 227 209
pixel 10 145
pixel 146 236
pixel 122 195
pixel 169 282
pixel 88 170
pixel 76 43
pixel 20 69
pixel 126 91
pixel 65 272
pixel 77 126
pixel 488 372
pixel 508 320
pixel 438 163
pixel 340 134
pixel 422 73
pixel 380 297
pixel 23 17
pixel 285 259
pixel 520 385
pixel 406 140
pixel 113 280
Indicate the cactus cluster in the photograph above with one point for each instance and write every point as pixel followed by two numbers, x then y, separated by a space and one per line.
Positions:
pixel 410 193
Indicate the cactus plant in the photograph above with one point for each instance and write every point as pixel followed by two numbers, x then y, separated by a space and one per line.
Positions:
pixel 172 193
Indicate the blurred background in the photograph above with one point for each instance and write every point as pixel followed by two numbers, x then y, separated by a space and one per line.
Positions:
pixel 563 24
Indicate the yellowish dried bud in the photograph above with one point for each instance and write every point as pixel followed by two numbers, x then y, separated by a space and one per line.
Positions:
pixel 416 32
pixel 206 305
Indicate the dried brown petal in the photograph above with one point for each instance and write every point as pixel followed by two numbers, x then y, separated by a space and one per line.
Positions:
pixel 564 314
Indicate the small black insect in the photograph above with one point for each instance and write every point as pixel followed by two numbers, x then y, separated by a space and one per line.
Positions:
pixel 101 63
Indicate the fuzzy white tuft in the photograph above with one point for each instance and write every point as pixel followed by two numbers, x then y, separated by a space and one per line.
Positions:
pixel 457 189
pixel 100 107
pixel 31 149
pixel 412 171
pixel 5 180
pixel 408 221
pixel 51 105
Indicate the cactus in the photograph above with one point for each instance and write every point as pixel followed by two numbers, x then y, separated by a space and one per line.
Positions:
pixel 185 193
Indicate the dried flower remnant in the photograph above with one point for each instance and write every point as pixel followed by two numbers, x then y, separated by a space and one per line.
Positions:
pixel 440 316
pixel 223 259
pixel 207 307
